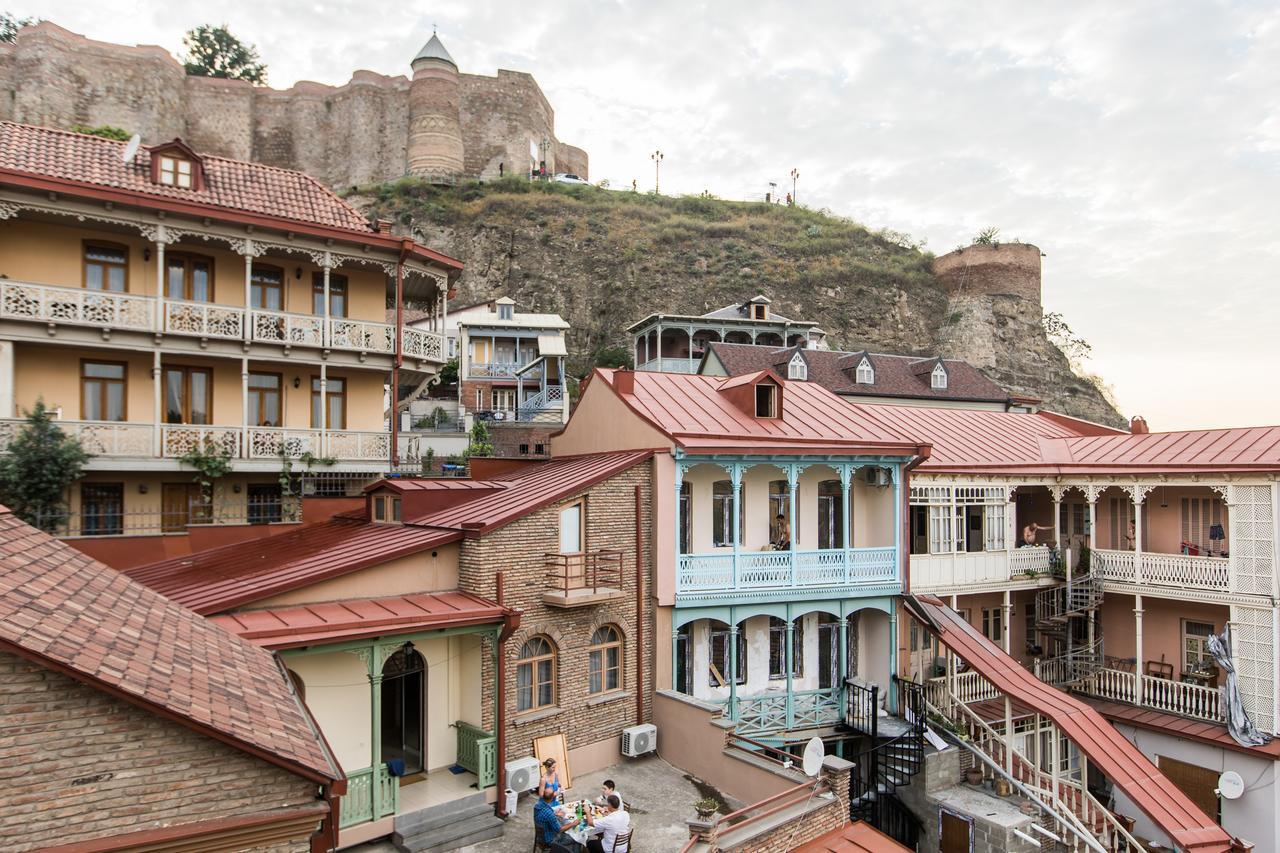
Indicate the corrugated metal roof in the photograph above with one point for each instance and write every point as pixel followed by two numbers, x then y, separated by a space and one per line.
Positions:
pixel 222 578
pixel 857 837
pixel 1118 759
pixel 1215 449
pixel 690 409
pixel 329 622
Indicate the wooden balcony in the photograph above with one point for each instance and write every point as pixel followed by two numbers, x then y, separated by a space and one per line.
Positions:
pixel 963 572
pixel 583 579
pixel 1178 571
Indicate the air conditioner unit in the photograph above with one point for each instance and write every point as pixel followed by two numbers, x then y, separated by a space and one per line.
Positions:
pixel 877 476
pixel 522 774
pixel 637 740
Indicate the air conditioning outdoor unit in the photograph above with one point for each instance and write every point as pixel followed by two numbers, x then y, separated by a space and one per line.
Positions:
pixel 522 774
pixel 877 476
pixel 637 740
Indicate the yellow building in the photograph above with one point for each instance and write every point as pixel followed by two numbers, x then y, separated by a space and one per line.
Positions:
pixel 162 303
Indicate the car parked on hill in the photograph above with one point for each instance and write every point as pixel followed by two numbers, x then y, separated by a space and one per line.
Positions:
pixel 568 178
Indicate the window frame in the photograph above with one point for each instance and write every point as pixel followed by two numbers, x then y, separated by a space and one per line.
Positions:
pixel 259 392
pixel 109 529
pixel 254 515
pixel 581 505
pixel 599 651
pixel 106 245
pixel 339 285
pixel 532 662
pixel 864 367
pixel 386 509
pixel 721 512
pixel 798 368
pixel 330 395
pixel 771 392
pixel 175 163
pixel 778 654
pixel 993 622
pixel 123 382
pixel 256 283
pixel 724 635
pixel 938 378
pixel 189 260
pixel 1203 654
pixel 187 371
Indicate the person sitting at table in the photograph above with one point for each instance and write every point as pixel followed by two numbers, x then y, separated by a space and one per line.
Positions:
pixel 608 789
pixel 550 780
pixel 547 825
pixel 612 823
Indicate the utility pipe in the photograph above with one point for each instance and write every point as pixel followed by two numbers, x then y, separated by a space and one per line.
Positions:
pixel 639 652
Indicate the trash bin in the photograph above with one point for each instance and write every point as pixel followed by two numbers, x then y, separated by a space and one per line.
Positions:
pixel 512 799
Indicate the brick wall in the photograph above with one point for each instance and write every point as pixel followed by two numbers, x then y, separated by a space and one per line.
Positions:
pixel 812 824
pixel 77 764
pixel 519 550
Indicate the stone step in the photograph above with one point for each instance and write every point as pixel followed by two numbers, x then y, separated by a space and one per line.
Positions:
pixel 468 833
pixel 422 820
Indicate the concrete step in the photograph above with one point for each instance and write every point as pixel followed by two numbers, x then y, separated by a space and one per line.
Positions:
pixel 412 823
pixel 461 832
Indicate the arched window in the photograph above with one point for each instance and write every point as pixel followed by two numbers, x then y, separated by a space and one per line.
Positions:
pixel 938 379
pixel 866 373
pixel 536 675
pixel 796 368
pixel 604 657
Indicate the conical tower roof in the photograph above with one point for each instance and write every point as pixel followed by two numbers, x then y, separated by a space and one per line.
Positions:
pixel 434 49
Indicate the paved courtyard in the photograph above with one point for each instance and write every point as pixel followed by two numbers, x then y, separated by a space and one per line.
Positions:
pixel 660 798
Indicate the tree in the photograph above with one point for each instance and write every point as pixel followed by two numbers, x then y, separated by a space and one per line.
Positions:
pixel 987 236
pixel 9 26
pixel 42 463
pixel 613 357
pixel 481 444
pixel 215 52
pixel 106 131
pixel 1074 347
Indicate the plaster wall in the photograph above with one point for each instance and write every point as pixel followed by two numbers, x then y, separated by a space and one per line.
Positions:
pixel 1161 626
pixel 429 571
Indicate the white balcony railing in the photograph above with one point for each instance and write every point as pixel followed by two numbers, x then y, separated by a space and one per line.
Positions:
pixel 272 443
pixel 294 329
pixel 98 308
pixel 1032 560
pixel 760 570
pixel 973 568
pixel 177 440
pixel 204 319
pixel 670 365
pixel 424 346
pixel 351 444
pixel 361 335
pixel 99 438
pixel 1182 571
pixel 1160 694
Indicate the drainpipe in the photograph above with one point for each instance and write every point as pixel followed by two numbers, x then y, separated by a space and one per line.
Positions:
pixel 501 700
pixel 904 525
pixel 639 653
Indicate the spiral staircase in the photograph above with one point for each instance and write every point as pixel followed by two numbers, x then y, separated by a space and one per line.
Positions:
pixel 1066 617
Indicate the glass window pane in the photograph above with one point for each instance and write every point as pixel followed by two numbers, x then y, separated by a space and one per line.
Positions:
pixel 99 370
pixel 115 279
pixel 524 687
pixel 199 405
pixel 93 276
pixel 337 417
pixel 201 283
pixel 115 402
pixel 173 389
pixel 177 279
pixel 93 401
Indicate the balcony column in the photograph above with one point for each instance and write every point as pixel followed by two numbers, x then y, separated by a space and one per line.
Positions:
pixel 735 479
pixel 658 341
pixel 157 383
pixel 680 552
pixel 324 405
pixel 1011 521
pixel 893 657
pixel 444 313
pixel 1138 657
pixel 244 407
pixel 793 483
pixel 327 334
pixel 691 347
pixel 842 655
pixel 1007 607
pixel 246 249
pixel 375 727
pixel 1139 498
pixel 675 656
pixel 789 663
pixel 1057 525
pixel 1092 493
pixel 896 473
pixel 732 675
pixel 846 525
pixel 160 279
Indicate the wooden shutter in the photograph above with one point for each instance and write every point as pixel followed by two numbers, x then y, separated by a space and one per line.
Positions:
pixel 1198 783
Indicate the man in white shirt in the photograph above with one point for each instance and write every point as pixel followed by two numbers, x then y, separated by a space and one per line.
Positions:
pixel 613 822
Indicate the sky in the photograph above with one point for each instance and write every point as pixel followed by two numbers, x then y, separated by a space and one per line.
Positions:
pixel 1137 143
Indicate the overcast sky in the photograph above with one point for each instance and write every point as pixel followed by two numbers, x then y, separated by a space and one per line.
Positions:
pixel 1137 143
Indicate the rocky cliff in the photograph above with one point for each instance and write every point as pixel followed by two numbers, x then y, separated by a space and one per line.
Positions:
pixel 604 259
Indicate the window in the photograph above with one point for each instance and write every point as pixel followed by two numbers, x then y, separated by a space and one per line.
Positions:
pixel 335 400
pixel 604 661
pixel 759 312
pixel 571 533
pixel 101 509
pixel 1203 525
pixel 524 450
pixel 386 509
pixel 504 399
pixel 106 267
pixel 993 623
pixel 866 374
pixel 175 172
pixel 993 519
pixel 264 399
pixel 337 294
pixel 722 527
pixel 778 648
pixel 719 656
pixel 264 504
pixel 766 400
pixel 539 449
pixel 506 312
pixel 188 395
pixel 941 530
pixel 830 514
pixel 266 288
pixel 103 386
pixel 536 675
pixel 1195 651
pixel 796 368
pixel 938 379
pixel 188 277
pixel 685 545
pixel 779 505
pixel 1121 515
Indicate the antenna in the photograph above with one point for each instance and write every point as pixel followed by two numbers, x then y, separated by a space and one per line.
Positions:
pixel 1230 785
pixel 813 755
pixel 131 150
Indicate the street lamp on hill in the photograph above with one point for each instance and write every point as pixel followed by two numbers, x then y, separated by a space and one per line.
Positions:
pixel 795 176
pixel 656 157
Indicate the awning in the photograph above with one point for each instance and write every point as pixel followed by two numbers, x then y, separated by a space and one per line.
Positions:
pixel 551 345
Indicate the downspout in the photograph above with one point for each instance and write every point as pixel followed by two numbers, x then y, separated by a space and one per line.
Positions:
pixel 510 622
pixel 640 688
pixel 925 451
pixel 406 245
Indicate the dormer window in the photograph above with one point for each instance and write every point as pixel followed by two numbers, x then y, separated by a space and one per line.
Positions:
pixel 866 373
pixel 938 379
pixel 796 368
pixel 386 509
pixel 766 400
pixel 506 312
pixel 176 172
pixel 759 312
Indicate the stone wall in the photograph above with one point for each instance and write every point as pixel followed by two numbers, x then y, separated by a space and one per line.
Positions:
pixel 519 550
pixel 77 764
pixel 347 135
pixel 1011 269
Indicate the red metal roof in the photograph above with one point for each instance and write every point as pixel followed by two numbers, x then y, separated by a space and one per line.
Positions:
pixel 1118 759
pixel 221 578
pixel 66 611
pixel 690 409
pixel 857 837
pixel 1256 448
pixel 1214 734
pixel 289 627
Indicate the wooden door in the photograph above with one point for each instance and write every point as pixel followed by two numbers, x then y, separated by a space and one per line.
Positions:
pixel 957 834
pixel 175 506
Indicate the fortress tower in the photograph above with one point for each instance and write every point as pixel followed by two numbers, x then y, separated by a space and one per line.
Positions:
pixel 435 128
pixel 1010 269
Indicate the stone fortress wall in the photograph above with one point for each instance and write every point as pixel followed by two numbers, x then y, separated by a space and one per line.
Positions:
pixel 353 134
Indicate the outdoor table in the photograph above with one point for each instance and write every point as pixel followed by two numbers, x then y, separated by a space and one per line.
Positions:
pixel 581 834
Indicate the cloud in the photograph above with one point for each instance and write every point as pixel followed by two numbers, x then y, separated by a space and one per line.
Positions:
pixel 1137 144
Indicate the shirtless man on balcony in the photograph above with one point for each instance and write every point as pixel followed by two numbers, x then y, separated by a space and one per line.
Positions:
pixel 1029 534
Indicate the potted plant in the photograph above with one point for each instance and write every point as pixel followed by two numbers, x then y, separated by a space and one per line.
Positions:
pixel 706 807
pixel 973 775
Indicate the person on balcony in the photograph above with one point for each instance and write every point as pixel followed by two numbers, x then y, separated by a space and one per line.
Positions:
pixel 1029 534
pixel 782 534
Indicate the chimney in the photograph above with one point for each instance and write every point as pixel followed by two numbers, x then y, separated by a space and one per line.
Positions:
pixel 624 381
pixel 384 226
pixel 1138 425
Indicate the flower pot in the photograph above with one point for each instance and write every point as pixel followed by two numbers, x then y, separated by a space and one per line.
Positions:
pixel 1027 807
pixel 1003 787
pixel 973 776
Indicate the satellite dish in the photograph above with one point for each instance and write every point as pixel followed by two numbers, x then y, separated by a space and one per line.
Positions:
pixel 813 755
pixel 1230 785
pixel 131 150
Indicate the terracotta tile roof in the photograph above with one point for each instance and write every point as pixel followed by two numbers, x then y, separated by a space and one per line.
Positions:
pixel 1118 759
pixel 229 184
pixel 1215 734
pixel 352 619
pixel 221 578
pixel 896 375
pixel 64 610
pixel 692 411
pixel 857 837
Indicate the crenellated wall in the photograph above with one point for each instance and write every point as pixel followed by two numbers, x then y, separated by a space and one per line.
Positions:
pixel 348 135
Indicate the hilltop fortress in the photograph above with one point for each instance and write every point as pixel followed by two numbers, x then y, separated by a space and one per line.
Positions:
pixel 440 123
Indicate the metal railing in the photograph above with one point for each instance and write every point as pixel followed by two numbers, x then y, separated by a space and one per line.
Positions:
pixel 112 520
pixel 591 570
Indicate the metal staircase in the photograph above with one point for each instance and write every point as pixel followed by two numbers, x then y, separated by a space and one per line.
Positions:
pixel 1066 617
pixel 897 754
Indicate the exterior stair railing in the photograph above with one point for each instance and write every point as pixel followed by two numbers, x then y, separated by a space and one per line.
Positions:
pixel 890 763
pixel 1058 610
